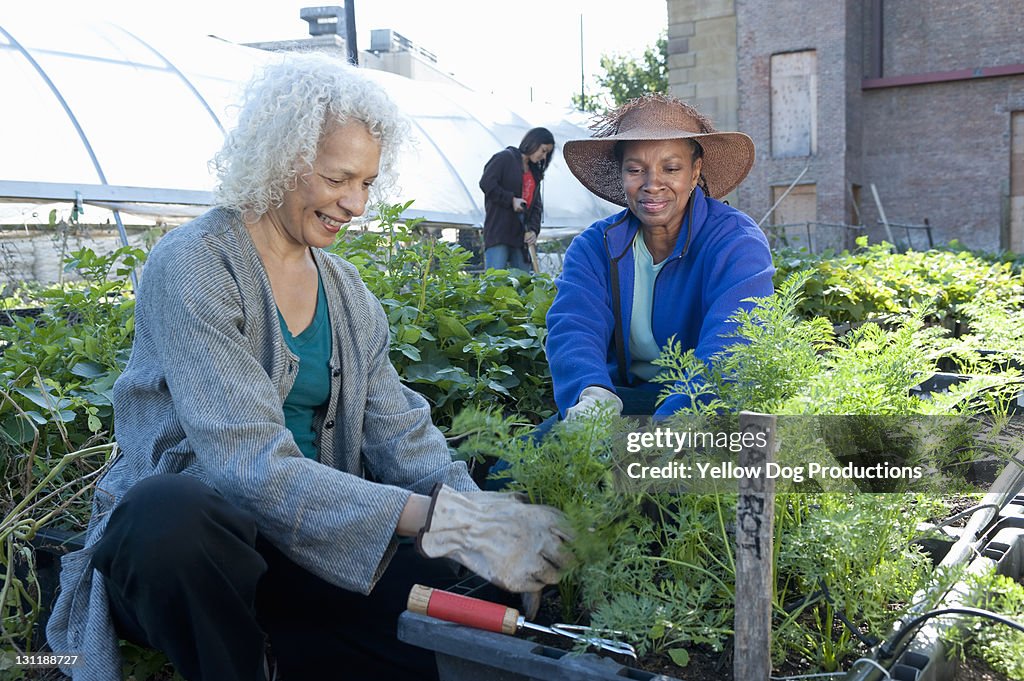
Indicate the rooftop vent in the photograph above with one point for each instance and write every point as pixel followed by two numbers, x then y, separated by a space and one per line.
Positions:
pixel 325 20
pixel 388 40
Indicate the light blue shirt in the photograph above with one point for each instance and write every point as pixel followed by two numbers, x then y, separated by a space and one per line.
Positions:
pixel 642 346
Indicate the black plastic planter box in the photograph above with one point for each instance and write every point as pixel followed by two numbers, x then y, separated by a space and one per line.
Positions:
pixel 941 382
pixel 466 654
pixel 927 658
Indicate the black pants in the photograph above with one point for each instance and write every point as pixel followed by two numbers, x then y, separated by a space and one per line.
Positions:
pixel 187 573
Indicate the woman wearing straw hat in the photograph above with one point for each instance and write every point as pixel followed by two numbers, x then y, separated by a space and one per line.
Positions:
pixel 676 262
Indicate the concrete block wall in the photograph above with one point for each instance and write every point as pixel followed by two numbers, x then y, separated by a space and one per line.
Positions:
pixel 702 57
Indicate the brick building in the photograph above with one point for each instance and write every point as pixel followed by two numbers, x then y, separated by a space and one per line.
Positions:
pixel 924 99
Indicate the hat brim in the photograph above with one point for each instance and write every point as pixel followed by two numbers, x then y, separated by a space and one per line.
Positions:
pixel 728 157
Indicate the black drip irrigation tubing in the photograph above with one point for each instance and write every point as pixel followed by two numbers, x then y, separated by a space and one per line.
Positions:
pixel 824 593
pixel 869 641
pixel 1010 483
pixel 966 512
pixel 888 650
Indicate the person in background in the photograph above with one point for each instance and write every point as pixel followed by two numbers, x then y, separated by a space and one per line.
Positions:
pixel 676 262
pixel 270 458
pixel 512 200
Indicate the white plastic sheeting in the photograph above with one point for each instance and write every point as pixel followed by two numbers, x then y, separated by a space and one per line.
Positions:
pixel 129 119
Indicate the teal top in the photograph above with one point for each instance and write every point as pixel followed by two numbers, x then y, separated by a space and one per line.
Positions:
pixel 312 386
pixel 642 346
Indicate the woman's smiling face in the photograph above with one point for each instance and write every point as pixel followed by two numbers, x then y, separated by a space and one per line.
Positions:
pixel 657 177
pixel 336 190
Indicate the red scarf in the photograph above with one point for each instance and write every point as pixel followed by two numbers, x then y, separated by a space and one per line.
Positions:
pixel 529 184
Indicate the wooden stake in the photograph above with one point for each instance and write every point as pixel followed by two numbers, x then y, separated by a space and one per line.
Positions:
pixel 881 213
pixel 755 517
pixel 534 259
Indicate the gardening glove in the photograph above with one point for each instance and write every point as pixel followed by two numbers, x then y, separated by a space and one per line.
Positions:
pixel 531 604
pixel 519 547
pixel 594 398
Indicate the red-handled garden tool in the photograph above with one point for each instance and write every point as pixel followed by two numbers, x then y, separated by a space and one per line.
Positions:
pixel 498 618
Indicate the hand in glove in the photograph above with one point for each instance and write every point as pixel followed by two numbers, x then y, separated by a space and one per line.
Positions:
pixel 592 398
pixel 519 547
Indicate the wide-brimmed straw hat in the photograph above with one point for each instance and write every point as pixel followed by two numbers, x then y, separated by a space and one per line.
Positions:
pixel 728 156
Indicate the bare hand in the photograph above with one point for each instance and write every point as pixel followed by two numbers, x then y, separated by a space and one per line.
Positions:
pixel 530 237
pixel 518 204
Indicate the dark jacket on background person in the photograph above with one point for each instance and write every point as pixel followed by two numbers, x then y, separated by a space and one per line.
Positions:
pixel 502 180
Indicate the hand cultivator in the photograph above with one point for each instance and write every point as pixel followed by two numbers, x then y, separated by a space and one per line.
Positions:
pixel 501 619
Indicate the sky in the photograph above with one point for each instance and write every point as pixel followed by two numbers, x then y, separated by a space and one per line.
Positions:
pixel 516 50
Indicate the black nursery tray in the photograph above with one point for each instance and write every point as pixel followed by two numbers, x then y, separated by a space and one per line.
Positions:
pixel 466 654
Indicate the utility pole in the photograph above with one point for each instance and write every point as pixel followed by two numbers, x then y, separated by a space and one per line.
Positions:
pixel 350 32
pixel 583 92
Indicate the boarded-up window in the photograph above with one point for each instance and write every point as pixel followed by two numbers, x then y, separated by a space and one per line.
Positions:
pixel 800 204
pixel 792 223
pixel 794 104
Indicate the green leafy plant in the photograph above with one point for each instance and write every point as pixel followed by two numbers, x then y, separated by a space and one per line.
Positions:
pixel 55 417
pixel 655 561
pixel 50 494
pixel 70 354
pixel 145 664
pixel 458 338
pixel 1001 647
pixel 845 557
pixel 781 363
pixel 874 283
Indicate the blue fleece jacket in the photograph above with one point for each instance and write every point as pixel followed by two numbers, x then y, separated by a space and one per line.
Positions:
pixel 702 284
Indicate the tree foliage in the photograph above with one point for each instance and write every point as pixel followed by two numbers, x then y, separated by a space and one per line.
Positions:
pixel 628 77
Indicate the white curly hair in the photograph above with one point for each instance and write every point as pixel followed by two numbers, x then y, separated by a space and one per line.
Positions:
pixel 285 112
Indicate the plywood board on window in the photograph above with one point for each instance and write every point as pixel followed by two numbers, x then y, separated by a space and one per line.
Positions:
pixel 794 105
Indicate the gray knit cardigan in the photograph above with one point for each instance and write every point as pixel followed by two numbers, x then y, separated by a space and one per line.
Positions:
pixel 202 395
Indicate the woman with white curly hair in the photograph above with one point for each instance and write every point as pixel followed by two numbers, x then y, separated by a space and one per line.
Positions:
pixel 271 460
